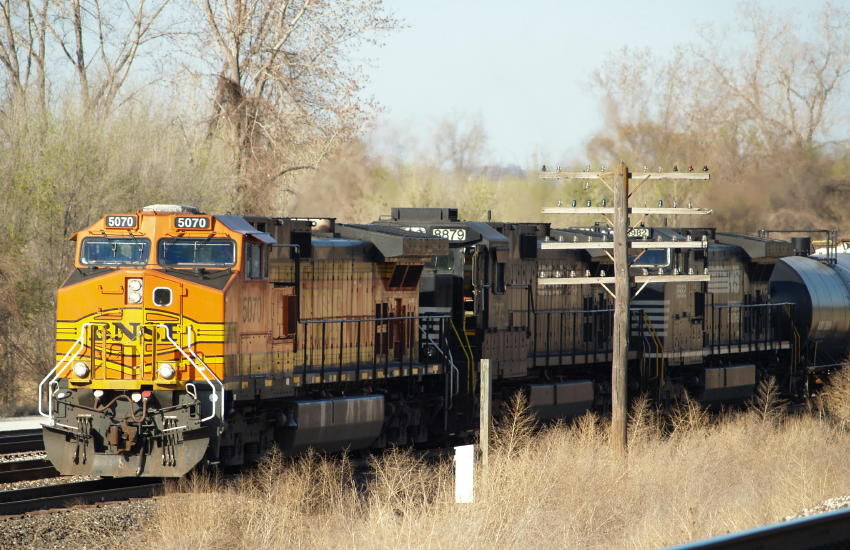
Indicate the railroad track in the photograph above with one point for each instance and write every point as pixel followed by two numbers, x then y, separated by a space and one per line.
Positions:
pixel 25 470
pixel 21 441
pixel 819 532
pixel 21 501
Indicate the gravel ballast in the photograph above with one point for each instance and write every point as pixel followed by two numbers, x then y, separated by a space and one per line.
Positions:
pixel 829 505
pixel 110 525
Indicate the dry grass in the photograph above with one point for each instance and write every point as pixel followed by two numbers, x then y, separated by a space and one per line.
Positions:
pixel 685 478
pixel 835 401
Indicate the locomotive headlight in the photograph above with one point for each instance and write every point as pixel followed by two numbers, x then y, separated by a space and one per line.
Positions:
pixel 134 291
pixel 166 370
pixel 81 370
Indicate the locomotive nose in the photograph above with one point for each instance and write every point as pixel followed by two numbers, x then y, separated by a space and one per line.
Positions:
pixel 149 290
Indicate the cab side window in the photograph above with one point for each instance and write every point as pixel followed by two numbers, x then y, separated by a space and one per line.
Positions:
pixel 254 261
pixel 498 281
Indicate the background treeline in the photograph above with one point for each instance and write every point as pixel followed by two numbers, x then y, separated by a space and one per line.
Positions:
pixel 257 107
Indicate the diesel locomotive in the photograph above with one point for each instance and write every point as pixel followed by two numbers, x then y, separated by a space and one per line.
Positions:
pixel 185 338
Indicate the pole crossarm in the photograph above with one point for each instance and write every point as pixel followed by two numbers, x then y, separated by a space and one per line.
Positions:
pixel 617 215
pixel 632 244
pixel 703 176
pixel 555 281
pixel 635 210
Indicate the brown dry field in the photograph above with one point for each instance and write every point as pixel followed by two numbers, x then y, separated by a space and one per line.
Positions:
pixel 687 477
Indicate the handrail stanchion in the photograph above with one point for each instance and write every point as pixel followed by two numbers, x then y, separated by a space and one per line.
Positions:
pixel 51 376
pixel 203 369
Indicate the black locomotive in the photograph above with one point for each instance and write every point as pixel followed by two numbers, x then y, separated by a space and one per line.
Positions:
pixel 769 309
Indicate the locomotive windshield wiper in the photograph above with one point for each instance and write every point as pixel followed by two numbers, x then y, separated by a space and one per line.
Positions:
pixel 199 244
pixel 136 242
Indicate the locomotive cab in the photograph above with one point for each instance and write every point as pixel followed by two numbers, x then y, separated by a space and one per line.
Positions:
pixel 138 385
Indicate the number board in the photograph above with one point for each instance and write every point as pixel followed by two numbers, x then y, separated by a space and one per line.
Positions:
pixel 115 221
pixel 192 222
pixel 450 233
pixel 639 233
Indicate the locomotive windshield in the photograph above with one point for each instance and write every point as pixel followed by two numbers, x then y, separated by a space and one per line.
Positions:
pixel 653 257
pixel 114 251
pixel 197 252
pixel 442 263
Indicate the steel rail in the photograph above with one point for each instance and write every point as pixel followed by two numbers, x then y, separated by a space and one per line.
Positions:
pixel 25 470
pixel 21 441
pixel 822 531
pixel 21 501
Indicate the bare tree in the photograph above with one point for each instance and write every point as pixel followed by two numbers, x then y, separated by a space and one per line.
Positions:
pixel 783 85
pixel 23 38
pixel 287 91
pixel 102 40
pixel 755 106
pixel 458 144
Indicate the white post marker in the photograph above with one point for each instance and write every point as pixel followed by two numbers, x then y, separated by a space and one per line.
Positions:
pixel 464 474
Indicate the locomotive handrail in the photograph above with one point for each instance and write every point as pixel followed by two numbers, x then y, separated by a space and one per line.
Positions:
pixel 368 319
pixel 217 379
pixel 389 320
pixel 467 353
pixel 742 305
pixel 203 370
pixel 542 311
pixel 659 350
pixel 831 238
pixel 54 372
pixel 455 372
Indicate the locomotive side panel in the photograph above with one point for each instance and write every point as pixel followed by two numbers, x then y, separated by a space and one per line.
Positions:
pixel 572 322
pixel 726 287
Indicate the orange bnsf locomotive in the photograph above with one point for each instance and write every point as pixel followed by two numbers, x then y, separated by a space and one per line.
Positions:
pixel 185 338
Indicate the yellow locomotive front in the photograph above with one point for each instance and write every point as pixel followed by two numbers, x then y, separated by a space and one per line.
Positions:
pixel 137 388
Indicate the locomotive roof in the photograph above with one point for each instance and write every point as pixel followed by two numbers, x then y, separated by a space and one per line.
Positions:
pixel 238 224
pixel 757 247
pixel 393 242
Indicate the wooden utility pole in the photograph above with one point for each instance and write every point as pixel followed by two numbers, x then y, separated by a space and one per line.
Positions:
pixel 619 187
pixel 484 414
pixel 622 295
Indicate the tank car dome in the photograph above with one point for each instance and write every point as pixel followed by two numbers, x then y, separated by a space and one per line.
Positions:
pixel 821 297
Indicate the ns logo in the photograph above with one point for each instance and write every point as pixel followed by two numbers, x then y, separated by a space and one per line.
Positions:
pixel 118 331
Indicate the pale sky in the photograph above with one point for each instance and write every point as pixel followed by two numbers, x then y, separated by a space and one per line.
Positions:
pixel 524 68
